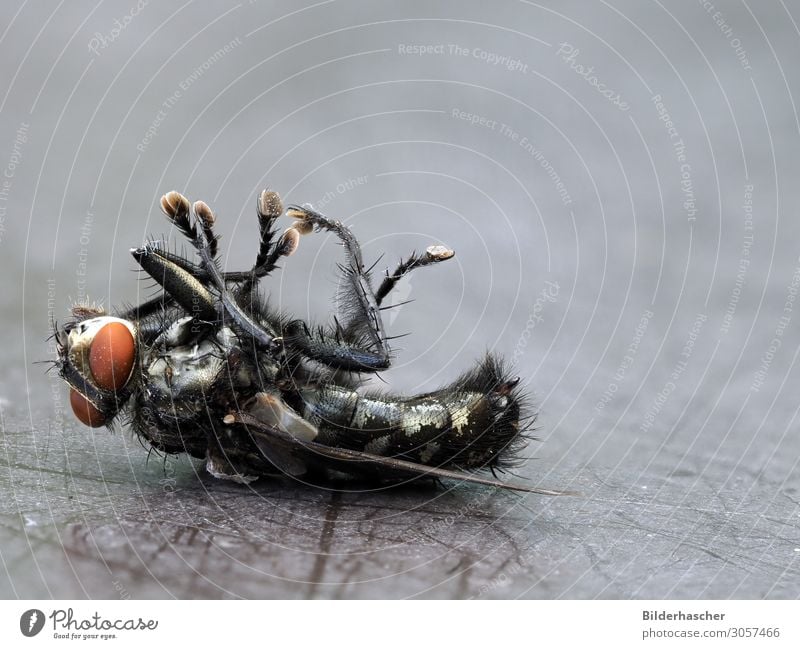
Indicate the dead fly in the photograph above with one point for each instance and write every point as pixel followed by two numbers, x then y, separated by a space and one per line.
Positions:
pixel 207 368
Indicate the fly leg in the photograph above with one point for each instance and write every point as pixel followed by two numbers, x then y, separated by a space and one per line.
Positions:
pixel 200 232
pixel 270 249
pixel 433 255
pixel 179 285
pixel 361 345
pixel 180 279
pixel 176 207
pixel 185 286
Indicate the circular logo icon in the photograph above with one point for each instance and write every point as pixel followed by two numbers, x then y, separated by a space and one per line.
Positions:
pixel 31 622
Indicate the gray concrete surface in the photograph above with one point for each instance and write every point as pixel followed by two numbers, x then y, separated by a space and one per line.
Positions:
pixel 619 180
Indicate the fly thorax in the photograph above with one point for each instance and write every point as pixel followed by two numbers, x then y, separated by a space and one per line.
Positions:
pixel 184 375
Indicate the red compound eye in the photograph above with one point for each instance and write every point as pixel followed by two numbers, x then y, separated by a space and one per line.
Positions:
pixel 111 356
pixel 84 410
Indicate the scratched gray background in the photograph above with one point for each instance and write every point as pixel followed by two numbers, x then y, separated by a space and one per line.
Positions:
pixel 682 439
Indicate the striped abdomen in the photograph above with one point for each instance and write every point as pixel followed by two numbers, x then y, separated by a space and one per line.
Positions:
pixel 470 424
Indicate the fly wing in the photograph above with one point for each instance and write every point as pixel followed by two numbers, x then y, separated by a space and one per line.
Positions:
pixel 272 440
pixel 273 414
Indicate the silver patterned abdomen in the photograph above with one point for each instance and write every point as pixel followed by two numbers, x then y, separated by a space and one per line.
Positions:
pixel 464 425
